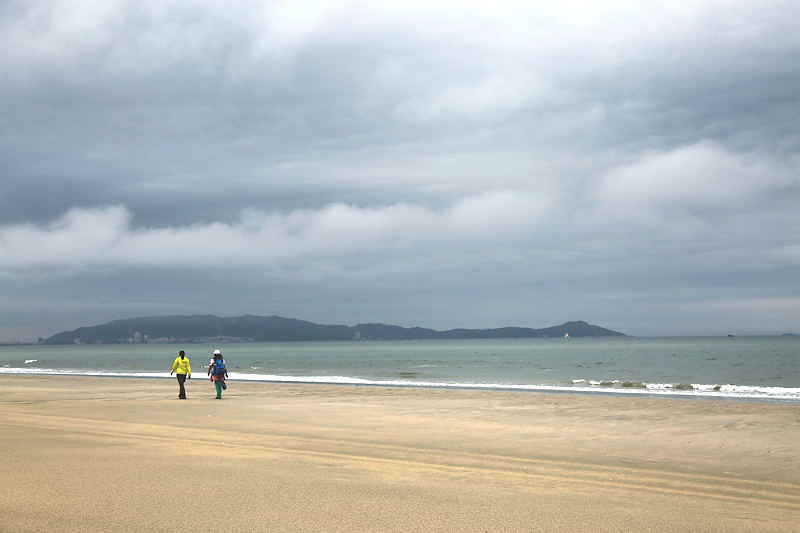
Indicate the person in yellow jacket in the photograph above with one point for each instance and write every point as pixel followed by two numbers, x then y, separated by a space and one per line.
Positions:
pixel 184 371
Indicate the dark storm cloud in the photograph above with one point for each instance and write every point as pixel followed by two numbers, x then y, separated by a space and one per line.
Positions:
pixel 441 164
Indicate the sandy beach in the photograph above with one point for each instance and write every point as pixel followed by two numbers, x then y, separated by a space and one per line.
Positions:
pixel 80 454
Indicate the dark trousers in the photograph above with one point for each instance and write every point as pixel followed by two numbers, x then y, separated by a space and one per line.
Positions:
pixel 181 381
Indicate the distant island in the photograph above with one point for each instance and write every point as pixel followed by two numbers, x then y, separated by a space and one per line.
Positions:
pixel 249 328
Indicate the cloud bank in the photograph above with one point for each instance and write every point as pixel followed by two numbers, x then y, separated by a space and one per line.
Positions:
pixel 436 164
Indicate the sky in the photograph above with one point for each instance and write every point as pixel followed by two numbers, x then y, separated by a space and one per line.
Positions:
pixel 441 164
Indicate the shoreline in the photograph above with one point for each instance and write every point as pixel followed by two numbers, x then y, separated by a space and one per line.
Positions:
pixel 631 391
pixel 289 457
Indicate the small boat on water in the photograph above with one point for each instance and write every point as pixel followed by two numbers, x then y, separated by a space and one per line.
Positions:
pixel 566 335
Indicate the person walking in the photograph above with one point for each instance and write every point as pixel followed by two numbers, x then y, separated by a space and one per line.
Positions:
pixel 183 370
pixel 218 372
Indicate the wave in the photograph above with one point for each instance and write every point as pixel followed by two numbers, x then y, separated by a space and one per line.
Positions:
pixel 698 390
pixel 71 372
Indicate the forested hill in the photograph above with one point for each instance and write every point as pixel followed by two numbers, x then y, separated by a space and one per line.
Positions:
pixel 250 328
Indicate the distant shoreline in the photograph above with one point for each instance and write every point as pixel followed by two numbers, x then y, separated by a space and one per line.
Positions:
pixel 177 342
pixel 249 328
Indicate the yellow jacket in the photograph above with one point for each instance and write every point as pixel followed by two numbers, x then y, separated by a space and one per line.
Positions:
pixel 182 366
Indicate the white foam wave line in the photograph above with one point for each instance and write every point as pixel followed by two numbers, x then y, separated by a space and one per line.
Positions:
pixel 71 372
pixel 702 390
pixel 732 391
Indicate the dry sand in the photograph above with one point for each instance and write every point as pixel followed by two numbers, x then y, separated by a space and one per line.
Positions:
pixel 98 454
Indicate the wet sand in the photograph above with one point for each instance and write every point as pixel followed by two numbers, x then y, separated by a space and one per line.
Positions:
pixel 80 454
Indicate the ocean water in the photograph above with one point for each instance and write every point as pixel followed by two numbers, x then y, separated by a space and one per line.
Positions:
pixel 766 368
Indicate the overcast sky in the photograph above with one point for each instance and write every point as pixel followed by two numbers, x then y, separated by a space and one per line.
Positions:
pixel 437 164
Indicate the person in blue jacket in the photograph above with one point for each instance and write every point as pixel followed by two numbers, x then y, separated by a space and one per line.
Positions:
pixel 218 372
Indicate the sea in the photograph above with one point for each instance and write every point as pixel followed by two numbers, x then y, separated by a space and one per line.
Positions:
pixel 744 368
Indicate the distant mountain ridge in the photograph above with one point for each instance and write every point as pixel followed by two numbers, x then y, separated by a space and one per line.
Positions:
pixel 249 328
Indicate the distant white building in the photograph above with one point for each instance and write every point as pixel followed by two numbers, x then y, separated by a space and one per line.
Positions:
pixel 137 337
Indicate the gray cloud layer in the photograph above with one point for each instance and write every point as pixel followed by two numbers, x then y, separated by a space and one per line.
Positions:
pixel 451 164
